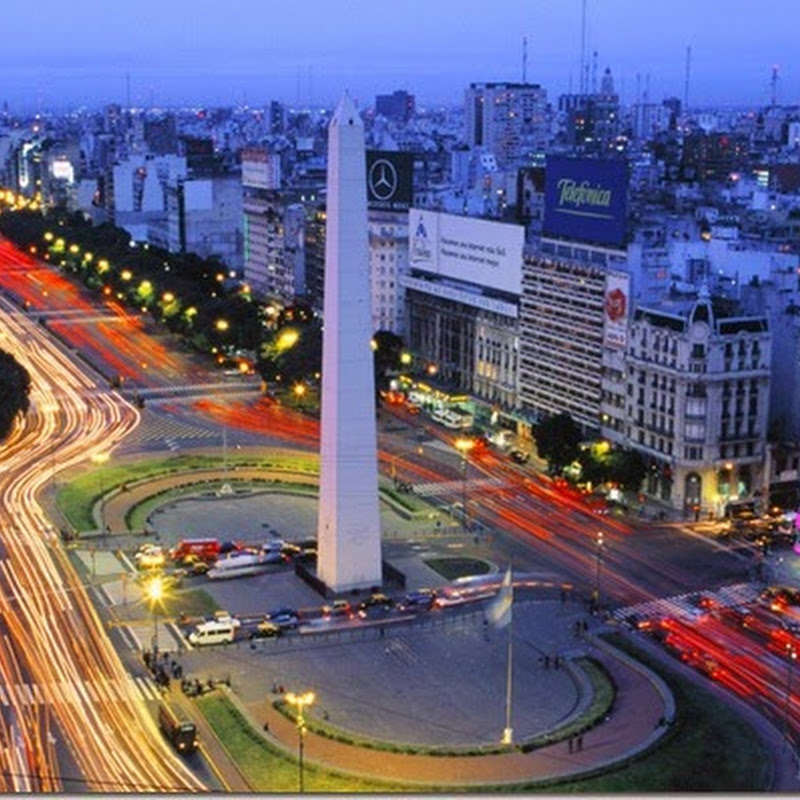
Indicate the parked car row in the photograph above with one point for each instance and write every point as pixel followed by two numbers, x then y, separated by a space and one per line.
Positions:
pixel 224 628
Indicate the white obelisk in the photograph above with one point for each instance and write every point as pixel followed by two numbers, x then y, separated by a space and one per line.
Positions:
pixel 348 524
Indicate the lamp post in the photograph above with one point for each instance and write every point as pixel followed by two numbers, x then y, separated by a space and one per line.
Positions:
pixel 464 445
pixel 300 702
pixel 155 592
pixel 100 459
pixel 599 543
pixel 791 654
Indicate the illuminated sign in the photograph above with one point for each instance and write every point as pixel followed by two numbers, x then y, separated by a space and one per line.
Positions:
pixel 586 200
pixel 390 180
pixel 616 310
pixel 478 251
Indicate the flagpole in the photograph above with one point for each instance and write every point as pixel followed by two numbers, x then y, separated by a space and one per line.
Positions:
pixel 508 733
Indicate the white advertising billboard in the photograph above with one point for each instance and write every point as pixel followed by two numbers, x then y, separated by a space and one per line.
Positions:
pixel 477 251
pixel 616 309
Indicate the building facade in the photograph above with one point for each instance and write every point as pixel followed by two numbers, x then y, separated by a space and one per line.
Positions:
pixel 698 402
pixel 510 119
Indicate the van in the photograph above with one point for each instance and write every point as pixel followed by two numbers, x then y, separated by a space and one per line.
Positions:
pixel 206 549
pixel 213 632
pixel 178 728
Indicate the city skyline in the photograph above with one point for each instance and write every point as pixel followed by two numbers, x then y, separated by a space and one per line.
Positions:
pixel 248 54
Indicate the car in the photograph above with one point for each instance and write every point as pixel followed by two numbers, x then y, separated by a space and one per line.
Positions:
pixel 266 630
pixel 226 617
pixel 285 618
pixel 374 606
pixel 417 601
pixel 150 558
pixel 519 456
pixel 195 565
pixel 338 608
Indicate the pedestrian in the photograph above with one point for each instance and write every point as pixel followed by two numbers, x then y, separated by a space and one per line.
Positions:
pixel 571 744
pixel 382 632
pixel 557 661
pixel 580 742
pixel 266 727
pixel 547 662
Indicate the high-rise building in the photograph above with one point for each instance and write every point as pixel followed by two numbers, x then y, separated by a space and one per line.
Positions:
pixel 510 119
pixel 398 106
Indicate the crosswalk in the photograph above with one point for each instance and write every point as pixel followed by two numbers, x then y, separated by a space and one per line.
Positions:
pixel 72 693
pixel 162 431
pixel 685 605
pixel 433 488
pixel 399 649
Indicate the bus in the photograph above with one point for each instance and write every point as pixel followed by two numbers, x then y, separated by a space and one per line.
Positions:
pixel 178 728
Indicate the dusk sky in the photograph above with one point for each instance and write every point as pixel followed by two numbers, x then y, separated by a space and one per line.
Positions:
pixel 59 55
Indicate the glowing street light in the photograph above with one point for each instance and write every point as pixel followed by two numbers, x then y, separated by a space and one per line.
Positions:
pixel 599 544
pixel 299 393
pixel 155 594
pixel 100 459
pixel 791 654
pixel 300 702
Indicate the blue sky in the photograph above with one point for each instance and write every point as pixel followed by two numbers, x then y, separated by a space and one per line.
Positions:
pixel 58 54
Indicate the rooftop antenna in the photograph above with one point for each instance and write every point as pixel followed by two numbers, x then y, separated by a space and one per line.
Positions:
pixel 686 79
pixel 582 88
pixel 594 72
pixel 774 84
pixel 525 59
pixel 128 90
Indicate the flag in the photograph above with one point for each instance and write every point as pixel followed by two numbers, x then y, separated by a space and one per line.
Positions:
pixel 499 612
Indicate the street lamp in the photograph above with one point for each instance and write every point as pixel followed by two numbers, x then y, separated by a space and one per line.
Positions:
pixel 299 393
pixel 100 459
pixel 791 654
pixel 300 702
pixel 464 445
pixel 155 593
pixel 599 543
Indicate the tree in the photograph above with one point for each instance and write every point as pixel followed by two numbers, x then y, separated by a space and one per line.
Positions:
pixel 557 441
pixel 15 387
pixel 293 353
pixel 628 470
pixel 387 353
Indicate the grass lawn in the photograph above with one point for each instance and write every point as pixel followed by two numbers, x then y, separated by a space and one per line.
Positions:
pixel 712 748
pixel 267 768
pixel 78 494
pixel 452 568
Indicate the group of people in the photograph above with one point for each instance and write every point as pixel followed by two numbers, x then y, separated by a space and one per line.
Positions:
pixel 162 667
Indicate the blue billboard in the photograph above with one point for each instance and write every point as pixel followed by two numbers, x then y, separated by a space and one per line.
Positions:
pixel 586 200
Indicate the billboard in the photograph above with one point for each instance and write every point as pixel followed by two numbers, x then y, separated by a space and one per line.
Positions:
pixel 390 180
pixel 616 309
pixel 586 200
pixel 477 251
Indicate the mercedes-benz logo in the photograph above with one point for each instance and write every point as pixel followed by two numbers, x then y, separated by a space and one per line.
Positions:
pixel 382 179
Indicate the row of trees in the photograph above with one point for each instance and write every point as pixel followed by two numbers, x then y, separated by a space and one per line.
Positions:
pixel 191 296
pixel 15 387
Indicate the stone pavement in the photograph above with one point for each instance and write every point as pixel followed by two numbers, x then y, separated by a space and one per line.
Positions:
pixel 642 703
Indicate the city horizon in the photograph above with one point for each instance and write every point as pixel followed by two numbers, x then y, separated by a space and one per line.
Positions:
pixel 160 57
